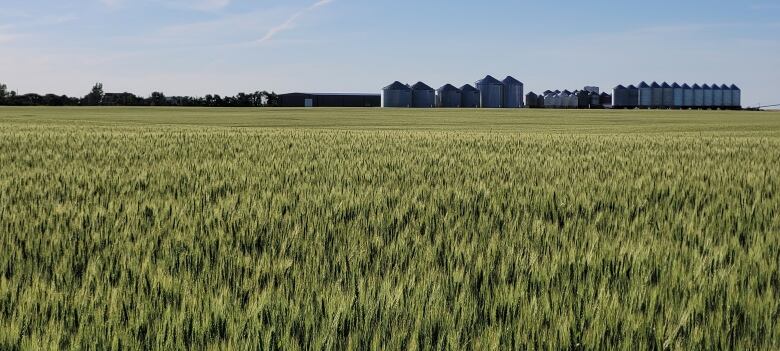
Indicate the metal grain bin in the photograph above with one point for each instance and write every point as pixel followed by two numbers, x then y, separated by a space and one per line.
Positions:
pixel 397 95
pixel 595 100
pixel 448 96
pixel 687 96
pixel 632 100
pixel 727 96
pixel 717 96
pixel 540 101
pixel 658 95
pixel 619 97
pixel 606 99
pixel 698 96
pixel 469 96
pixel 531 100
pixel 491 92
pixel 677 92
pixel 551 100
pixel 645 95
pixel 668 95
pixel 423 96
pixel 708 96
pixel 583 99
pixel 736 97
pixel 513 93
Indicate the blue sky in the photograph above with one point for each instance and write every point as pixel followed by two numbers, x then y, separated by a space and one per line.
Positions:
pixel 195 47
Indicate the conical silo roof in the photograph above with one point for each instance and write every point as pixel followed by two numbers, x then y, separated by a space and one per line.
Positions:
pixel 468 88
pixel 697 86
pixel 631 86
pixel 686 86
pixel 706 87
pixel 421 86
pixel 734 87
pixel 397 86
pixel 724 87
pixel 665 85
pixel 619 87
pixel 489 80
pixel 547 92
pixel 676 86
pixel 448 87
pixel 643 85
pixel 715 87
pixel 509 80
pixel 655 85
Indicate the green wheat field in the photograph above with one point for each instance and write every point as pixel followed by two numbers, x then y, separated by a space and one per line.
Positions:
pixel 339 229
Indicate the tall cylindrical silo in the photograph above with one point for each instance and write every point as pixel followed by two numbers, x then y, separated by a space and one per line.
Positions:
pixel 397 95
pixel 549 100
pixel 658 95
pixel 717 96
pixel 619 97
pixel 645 95
pixel 540 101
pixel 531 100
pixel 708 96
pixel 513 93
pixel 678 94
pixel 727 96
pixel 448 96
pixel 469 96
pixel 687 96
pixel 736 97
pixel 595 100
pixel 632 96
pixel 698 96
pixel 491 92
pixel 667 99
pixel 423 96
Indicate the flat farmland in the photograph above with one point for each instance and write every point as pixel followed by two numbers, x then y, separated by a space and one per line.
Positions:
pixel 332 229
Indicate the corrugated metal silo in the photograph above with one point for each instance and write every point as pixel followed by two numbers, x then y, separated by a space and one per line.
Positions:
pixel 448 96
pixel 677 101
pixel 708 96
pixel 736 97
pixel 491 92
pixel 563 99
pixel 606 99
pixel 619 97
pixel 423 96
pixel 513 93
pixel 397 95
pixel 595 100
pixel 550 100
pixel 727 96
pixel 540 102
pixel 658 95
pixel 583 99
pixel 698 96
pixel 687 96
pixel 717 96
pixel 531 100
pixel 632 100
pixel 645 95
pixel 668 95
pixel 469 96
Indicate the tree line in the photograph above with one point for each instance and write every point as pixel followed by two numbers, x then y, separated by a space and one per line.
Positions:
pixel 97 97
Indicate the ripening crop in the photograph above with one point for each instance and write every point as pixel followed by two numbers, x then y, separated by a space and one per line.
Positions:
pixel 345 229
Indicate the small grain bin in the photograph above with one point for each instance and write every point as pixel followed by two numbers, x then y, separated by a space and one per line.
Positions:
pixel 698 96
pixel 727 96
pixel 736 97
pixel 677 93
pixel 633 96
pixel 491 92
pixel 708 96
pixel 687 96
pixel 469 96
pixel 513 93
pixel 448 96
pixel 423 96
pixel 717 96
pixel 645 95
pixel 397 95
pixel 531 100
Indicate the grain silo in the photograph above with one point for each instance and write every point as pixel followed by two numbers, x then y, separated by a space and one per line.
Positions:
pixel 633 97
pixel 708 96
pixel 687 96
pixel 491 92
pixel 736 97
pixel 668 95
pixel 550 100
pixel 397 95
pixel 677 90
pixel 469 96
pixel 583 99
pixel 698 96
pixel 619 97
pixel 531 100
pixel 605 99
pixel 717 96
pixel 564 96
pixel 727 96
pixel 658 95
pixel 540 102
pixel 513 93
pixel 423 96
pixel 645 95
pixel 595 100
pixel 448 96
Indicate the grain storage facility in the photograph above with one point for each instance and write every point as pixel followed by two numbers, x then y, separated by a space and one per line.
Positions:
pixel 448 96
pixel 583 98
pixel 397 95
pixel 513 93
pixel 620 97
pixel 469 96
pixel 677 93
pixel 531 100
pixel 668 97
pixel 551 100
pixel 606 100
pixel 595 100
pixel 540 101
pixel 645 95
pixel 633 96
pixel 698 96
pixel 717 96
pixel 708 96
pixel 423 96
pixel 736 97
pixel 491 92
pixel 687 96
pixel 727 96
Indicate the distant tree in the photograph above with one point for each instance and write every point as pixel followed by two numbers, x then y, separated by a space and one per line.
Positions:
pixel 158 99
pixel 271 99
pixel 3 91
pixel 95 97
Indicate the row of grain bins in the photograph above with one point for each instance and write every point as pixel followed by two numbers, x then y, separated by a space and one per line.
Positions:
pixel 488 92
pixel 588 98
pixel 678 96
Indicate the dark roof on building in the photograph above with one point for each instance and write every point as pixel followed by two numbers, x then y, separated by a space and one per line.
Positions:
pixel 619 87
pixel 665 85
pixel 675 85
pixel 631 87
pixel 468 88
pixel 489 80
pixel 397 86
pixel 421 86
pixel 448 87
pixel 734 87
pixel 706 87
pixel 655 85
pixel 696 86
pixel 509 80
pixel 686 86
pixel 643 85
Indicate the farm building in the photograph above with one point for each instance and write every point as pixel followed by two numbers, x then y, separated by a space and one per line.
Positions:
pixel 633 96
pixel 532 100
pixel 513 93
pixel 397 95
pixel 583 98
pixel 645 95
pixel 687 96
pixel 605 100
pixel 423 96
pixel 736 96
pixel 620 97
pixel 709 97
pixel 727 96
pixel 658 95
pixel 677 93
pixel 698 96
pixel 448 96
pixel 469 96
pixel 329 100
pixel 668 95
pixel 717 96
pixel 491 92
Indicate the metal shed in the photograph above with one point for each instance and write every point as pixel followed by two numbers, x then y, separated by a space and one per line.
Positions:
pixel 513 93
pixel 448 96
pixel 645 95
pixel 491 92
pixel 469 96
pixel 423 96
pixel 717 96
pixel 698 96
pixel 531 100
pixel 708 96
pixel 727 96
pixel 619 97
pixel 397 95
pixel 677 94
pixel 736 97
pixel 687 96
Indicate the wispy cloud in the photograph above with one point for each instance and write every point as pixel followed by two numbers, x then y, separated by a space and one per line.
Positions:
pixel 197 5
pixel 291 21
